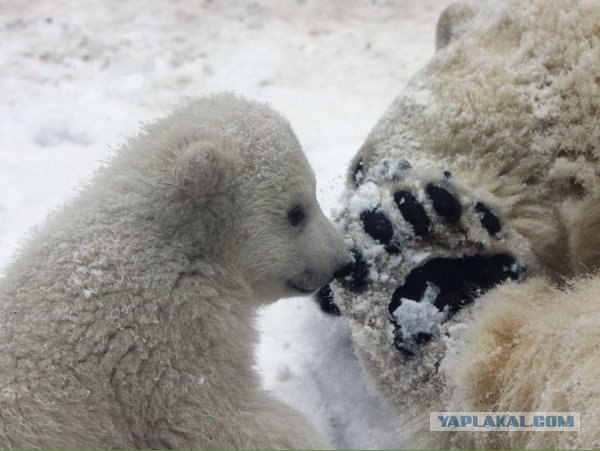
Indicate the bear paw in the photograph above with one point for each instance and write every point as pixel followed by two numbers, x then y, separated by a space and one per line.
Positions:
pixel 433 292
pixel 424 248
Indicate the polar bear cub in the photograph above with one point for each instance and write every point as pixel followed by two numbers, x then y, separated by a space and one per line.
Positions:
pixel 127 319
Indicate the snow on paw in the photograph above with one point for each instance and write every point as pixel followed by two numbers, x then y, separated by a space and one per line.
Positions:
pixel 413 212
pixel 444 286
pixel 427 246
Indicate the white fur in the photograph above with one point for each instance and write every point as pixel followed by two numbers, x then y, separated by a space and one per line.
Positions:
pixel 127 320
pixel 509 104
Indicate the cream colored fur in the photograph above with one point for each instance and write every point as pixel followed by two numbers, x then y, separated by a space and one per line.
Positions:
pixel 509 104
pixel 127 320
pixel 532 348
pixel 509 107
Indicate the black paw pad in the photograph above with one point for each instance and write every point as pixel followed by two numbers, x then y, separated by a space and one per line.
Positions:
pixel 409 345
pixel 413 212
pixel 324 298
pixel 509 266
pixel 444 203
pixel 401 344
pixel 344 271
pixel 377 225
pixel 393 248
pixel 357 277
pixel 422 338
pixel 489 220
pixel 458 280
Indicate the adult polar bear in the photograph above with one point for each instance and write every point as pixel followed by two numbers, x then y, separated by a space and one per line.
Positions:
pixel 485 170
pixel 126 321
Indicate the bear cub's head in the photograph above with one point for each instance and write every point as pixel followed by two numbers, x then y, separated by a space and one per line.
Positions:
pixel 244 196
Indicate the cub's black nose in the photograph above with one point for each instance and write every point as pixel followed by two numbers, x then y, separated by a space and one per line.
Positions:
pixel 343 271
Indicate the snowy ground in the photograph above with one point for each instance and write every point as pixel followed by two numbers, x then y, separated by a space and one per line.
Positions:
pixel 77 77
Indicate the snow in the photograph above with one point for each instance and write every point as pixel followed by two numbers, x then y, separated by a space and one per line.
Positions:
pixel 366 197
pixel 420 316
pixel 77 78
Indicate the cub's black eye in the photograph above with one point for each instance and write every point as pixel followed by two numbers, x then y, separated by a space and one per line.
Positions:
pixel 296 215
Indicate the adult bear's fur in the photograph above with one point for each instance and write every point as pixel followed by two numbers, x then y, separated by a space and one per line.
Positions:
pixel 531 348
pixel 509 105
pixel 127 320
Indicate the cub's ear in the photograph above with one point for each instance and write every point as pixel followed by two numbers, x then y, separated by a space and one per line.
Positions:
pixel 450 22
pixel 202 169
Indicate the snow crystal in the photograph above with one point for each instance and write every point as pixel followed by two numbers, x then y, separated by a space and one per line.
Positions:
pixel 387 171
pixel 366 197
pixel 420 316
pixel 419 257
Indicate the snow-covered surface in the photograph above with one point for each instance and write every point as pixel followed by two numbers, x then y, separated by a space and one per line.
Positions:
pixel 76 78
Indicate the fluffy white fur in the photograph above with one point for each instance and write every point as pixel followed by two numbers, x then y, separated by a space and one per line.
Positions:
pixel 127 320
pixel 509 104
